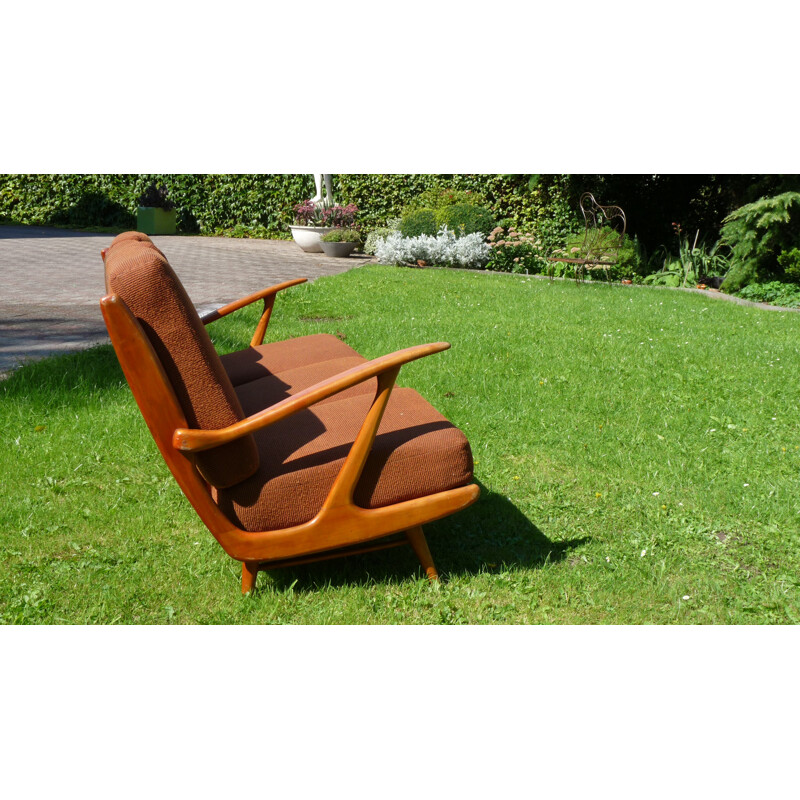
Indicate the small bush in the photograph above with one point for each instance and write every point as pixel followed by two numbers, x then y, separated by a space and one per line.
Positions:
pixel 695 263
pixel 790 261
pixel 342 235
pixel 740 275
pixel 775 292
pixel 420 222
pixel 514 252
pixel 464 219
pixel 374 237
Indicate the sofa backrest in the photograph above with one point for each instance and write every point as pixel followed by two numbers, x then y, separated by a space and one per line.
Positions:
pixel 138 272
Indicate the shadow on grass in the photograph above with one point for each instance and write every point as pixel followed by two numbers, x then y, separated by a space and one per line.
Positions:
pixel 493 534
pixel 95 368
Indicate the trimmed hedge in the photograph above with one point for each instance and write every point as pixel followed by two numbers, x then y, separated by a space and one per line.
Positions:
pixel 258 205
pixel 261 205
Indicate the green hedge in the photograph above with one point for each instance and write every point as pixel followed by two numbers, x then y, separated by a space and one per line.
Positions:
pixel 261 205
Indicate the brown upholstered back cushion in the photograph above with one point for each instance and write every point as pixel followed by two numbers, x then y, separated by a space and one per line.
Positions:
pixel 138 272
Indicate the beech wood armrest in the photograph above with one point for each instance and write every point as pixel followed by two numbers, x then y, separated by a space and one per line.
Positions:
pixel 267 295
pixel 190 440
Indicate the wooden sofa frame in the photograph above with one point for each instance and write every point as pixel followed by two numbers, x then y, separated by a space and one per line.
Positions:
pixel 340 527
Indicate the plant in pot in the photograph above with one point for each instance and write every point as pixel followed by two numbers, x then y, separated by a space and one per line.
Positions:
pixel 340 242
pixel 313 220
pixel 156 213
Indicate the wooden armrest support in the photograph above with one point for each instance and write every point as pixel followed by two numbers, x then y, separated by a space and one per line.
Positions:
pixel 191 440
pixel 264 294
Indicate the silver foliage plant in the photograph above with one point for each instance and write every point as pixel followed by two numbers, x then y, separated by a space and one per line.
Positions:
pixel 444 249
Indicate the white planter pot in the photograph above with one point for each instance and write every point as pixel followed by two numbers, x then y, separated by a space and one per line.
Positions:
pixel 308 237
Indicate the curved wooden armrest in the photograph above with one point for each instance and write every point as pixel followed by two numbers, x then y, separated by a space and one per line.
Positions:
pixel 192 440
pixel 267 295
pixel 271 291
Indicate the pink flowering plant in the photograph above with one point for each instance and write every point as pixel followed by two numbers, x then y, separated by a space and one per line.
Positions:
pixel 308 213
pixel 513 251
pixel 320 215
pixel 337 216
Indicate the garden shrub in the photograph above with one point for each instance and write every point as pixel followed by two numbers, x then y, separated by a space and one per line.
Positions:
pixel 419 222
pixel 342 235
pixel 373 237
pixel 444 249
pixel 666 277
pixel 789 260
pixel 775 292
pixel 757 233
pixel 464 218
pixel 694 263
pixel 740 275
pixel 512 251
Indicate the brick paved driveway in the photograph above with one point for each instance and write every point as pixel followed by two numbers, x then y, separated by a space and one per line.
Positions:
pixel 51 282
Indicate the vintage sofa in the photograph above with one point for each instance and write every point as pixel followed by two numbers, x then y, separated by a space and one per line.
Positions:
pixel 290 451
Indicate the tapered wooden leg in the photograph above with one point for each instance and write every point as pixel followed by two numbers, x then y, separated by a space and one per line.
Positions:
pixel 416 538
pixel 249 574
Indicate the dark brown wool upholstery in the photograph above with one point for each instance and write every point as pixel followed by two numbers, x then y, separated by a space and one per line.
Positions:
pixel 264 392
pixel 267 359
pixel 139 273
pixel 131 236
pixel 300 457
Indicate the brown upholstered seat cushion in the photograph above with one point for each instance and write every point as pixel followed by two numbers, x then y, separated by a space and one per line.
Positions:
pixel 267 359
pixel 138 273
pixel 257 395
pixel 417 452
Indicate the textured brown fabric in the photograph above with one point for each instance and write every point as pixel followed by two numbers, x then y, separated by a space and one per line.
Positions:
pixel 257 395
pixel 416 452
pixel 267 359
pixel 130 236
pixel 126 238
pixel 137 272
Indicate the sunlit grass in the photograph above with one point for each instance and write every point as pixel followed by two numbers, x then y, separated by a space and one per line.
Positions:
pixel 638 451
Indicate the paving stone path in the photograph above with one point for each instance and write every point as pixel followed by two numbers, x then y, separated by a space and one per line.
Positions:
pixel 51 282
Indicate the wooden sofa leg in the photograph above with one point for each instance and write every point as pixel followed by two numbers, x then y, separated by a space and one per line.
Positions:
pixel 249 575
pixel 416 538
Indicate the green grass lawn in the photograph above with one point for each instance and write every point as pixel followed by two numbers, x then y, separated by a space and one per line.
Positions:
pixel 638 452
